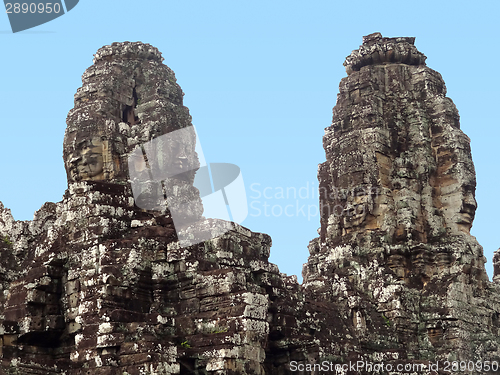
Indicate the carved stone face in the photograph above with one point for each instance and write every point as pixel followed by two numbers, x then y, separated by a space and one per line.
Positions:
pixel 87 161
pixel 457 181
pixel 443 260
pixel 356 210
pixel 421 261
pixel 460 207
pixel 364 208
pixel 397 263
pixel 172 155
pixel 179 162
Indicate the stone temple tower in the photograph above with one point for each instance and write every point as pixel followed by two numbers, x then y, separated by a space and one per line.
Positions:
pixel 397 203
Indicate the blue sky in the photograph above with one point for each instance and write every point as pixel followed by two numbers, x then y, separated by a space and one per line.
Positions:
pixel 260 79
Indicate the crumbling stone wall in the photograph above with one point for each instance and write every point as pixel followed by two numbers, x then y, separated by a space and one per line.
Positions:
pixel 99 283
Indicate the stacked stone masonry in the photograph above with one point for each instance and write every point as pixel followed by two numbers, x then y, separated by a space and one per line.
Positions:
pixel 95 284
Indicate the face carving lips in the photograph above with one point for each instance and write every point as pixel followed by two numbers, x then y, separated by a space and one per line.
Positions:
pixel 467 213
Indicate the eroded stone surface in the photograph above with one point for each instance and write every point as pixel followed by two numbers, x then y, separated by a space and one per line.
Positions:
pixel 99 283
pixel 395 255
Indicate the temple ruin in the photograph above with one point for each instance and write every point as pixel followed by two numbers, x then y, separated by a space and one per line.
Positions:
pixel 101 284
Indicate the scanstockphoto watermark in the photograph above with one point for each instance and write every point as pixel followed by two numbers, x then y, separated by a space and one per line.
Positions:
pixel 383 367
pixel 27 14
pixel 309 201
pixel 356 366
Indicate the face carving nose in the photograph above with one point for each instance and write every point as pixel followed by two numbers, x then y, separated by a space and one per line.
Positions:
pixel 470 200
